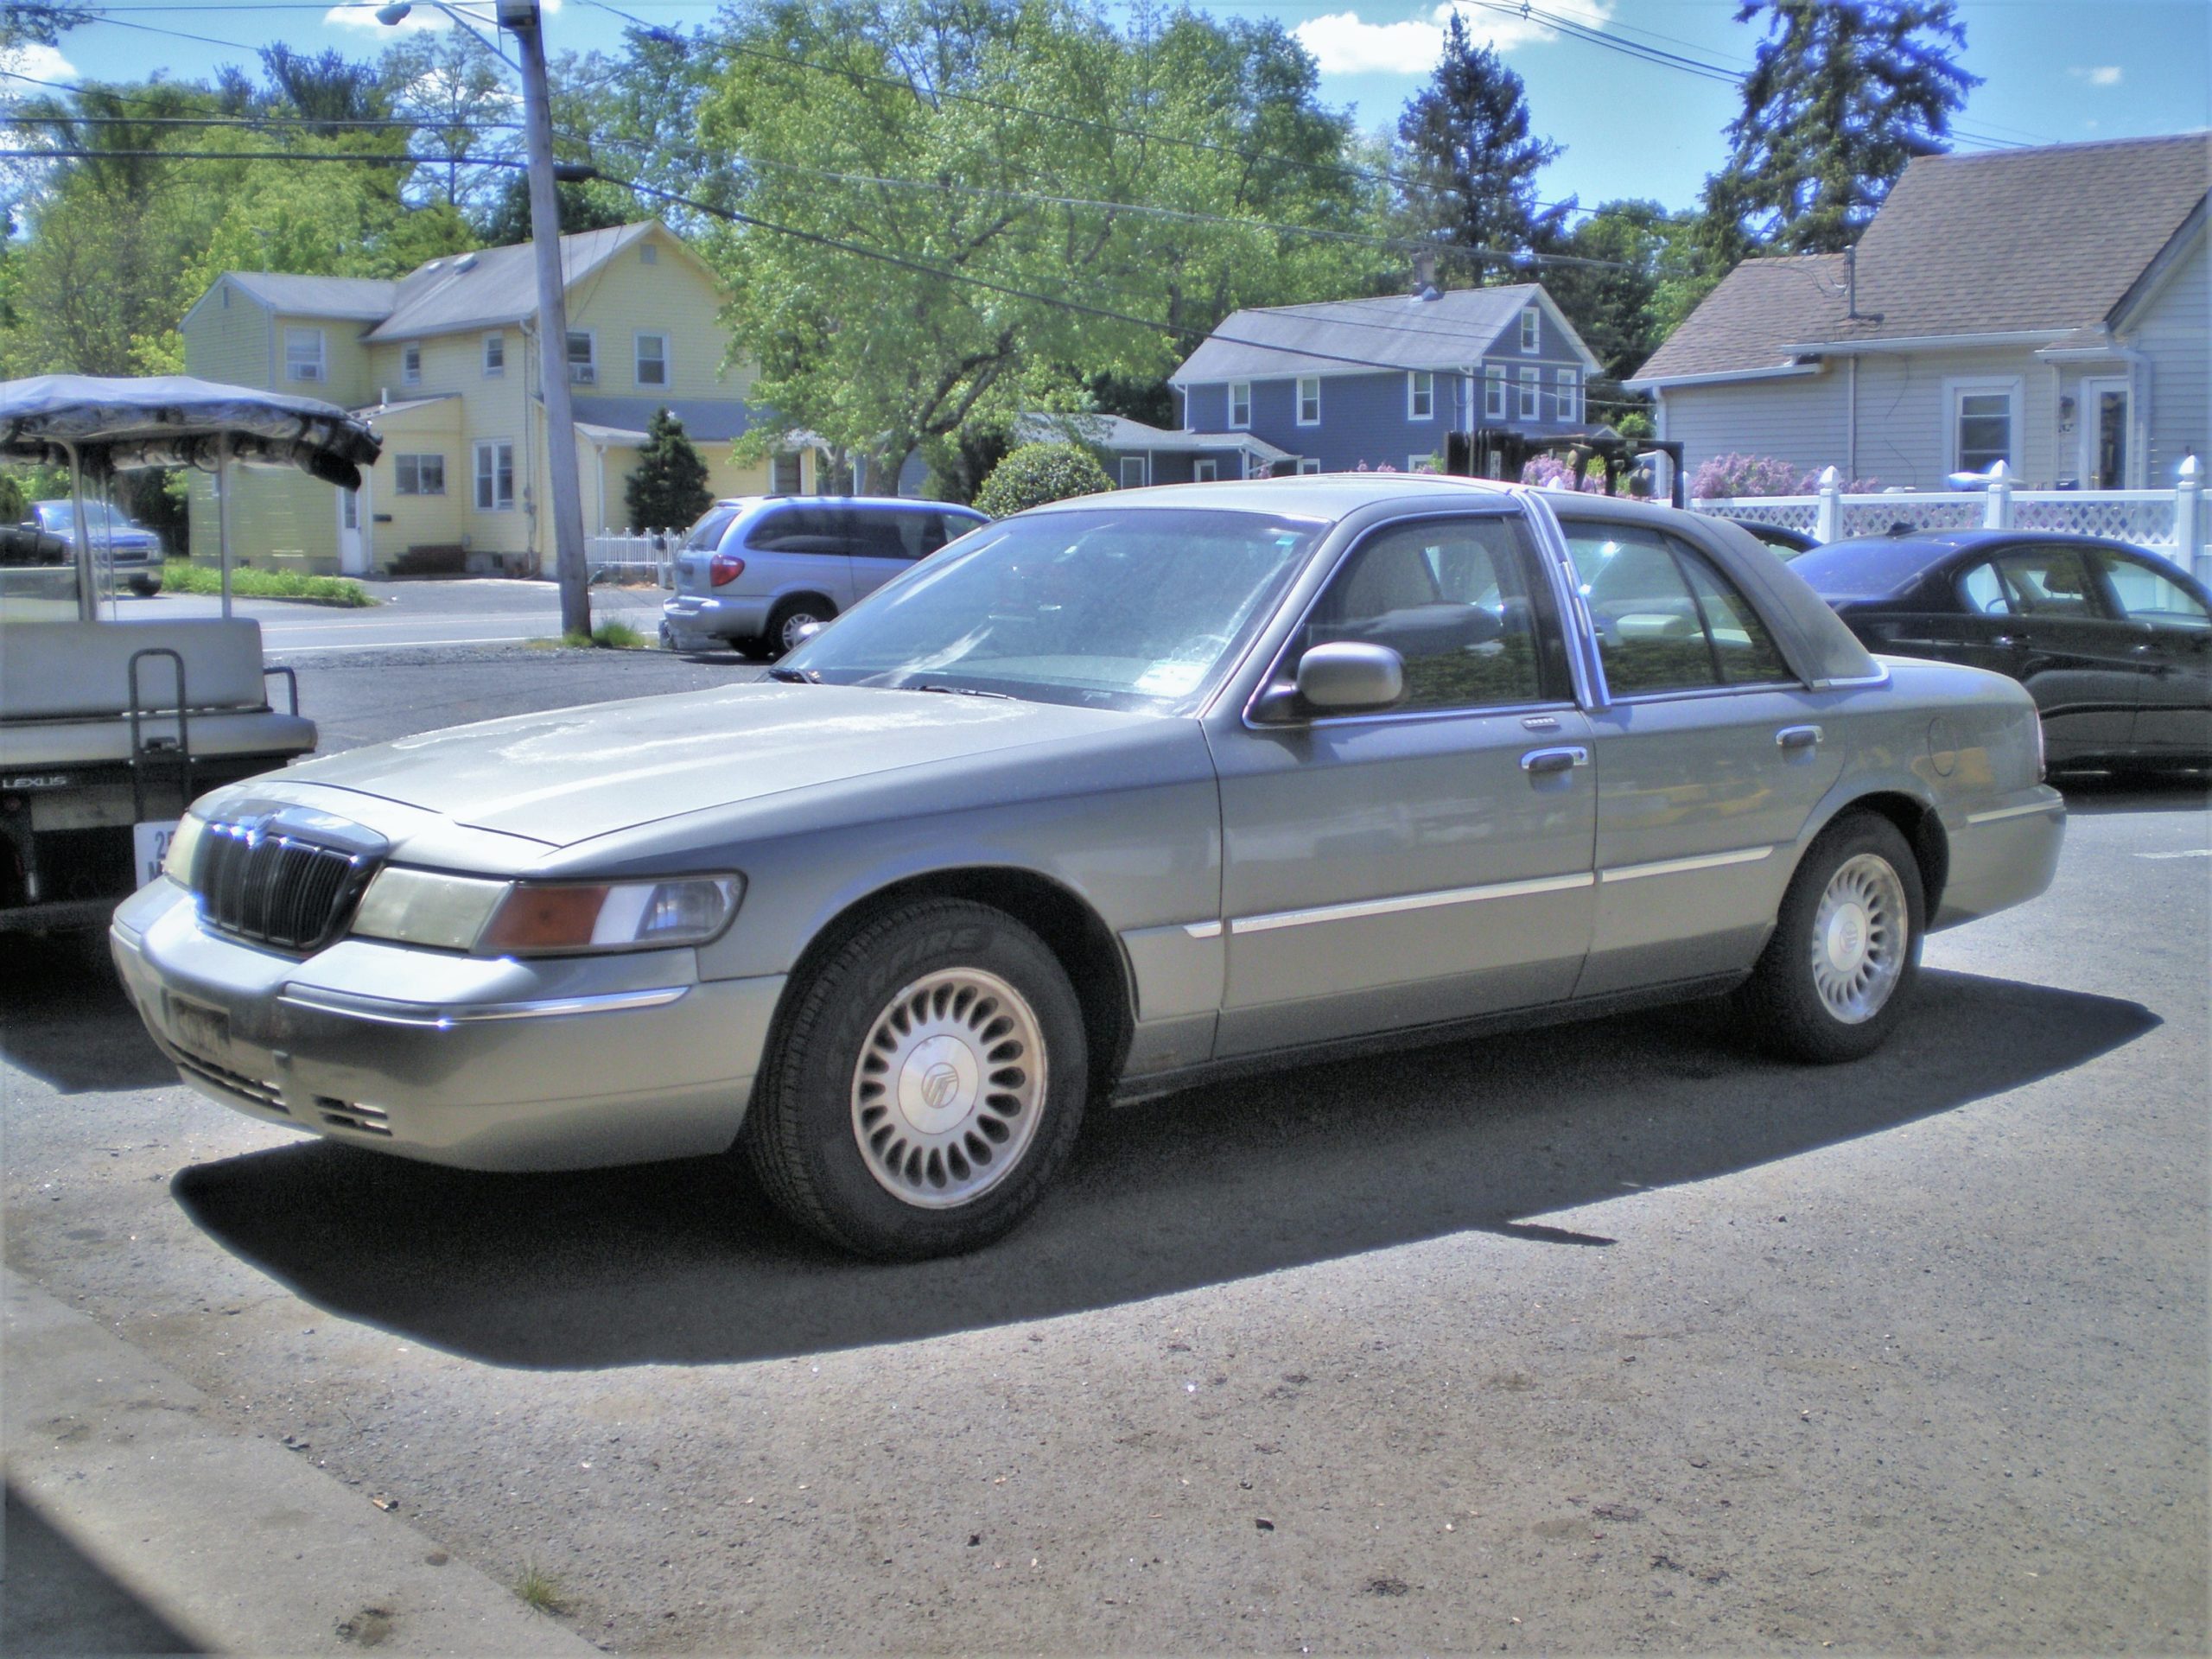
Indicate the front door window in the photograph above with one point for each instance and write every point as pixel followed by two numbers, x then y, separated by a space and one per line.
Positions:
pixel 2104 437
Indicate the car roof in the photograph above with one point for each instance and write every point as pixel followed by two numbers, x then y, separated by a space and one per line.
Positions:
pixel 745 503
pixel 1307 495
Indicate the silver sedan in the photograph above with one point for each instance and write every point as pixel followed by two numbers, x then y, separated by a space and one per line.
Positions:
pixel 1113 797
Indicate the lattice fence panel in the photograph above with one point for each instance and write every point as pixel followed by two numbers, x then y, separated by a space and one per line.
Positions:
pixel 1878 514
pixel 1789 511
pixel 2148 522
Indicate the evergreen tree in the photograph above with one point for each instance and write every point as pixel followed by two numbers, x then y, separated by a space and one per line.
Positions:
pixel 1842 95
pixel 1467 144
pixel 669 490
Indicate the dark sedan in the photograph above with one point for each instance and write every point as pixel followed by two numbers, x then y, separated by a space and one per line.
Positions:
pixel 2115 643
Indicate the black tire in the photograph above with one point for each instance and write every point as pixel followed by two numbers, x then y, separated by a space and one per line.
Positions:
pixel 803 1135
pixel 1782 1003
pixel 799 609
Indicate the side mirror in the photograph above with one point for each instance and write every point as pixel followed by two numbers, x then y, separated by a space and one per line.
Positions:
pixel 1350 677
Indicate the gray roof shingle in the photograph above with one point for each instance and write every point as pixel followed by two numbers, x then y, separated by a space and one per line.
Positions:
pixel 1403 331
pixel 2011 242
pixel 1119 432
pixel 498 285
pixel 359 299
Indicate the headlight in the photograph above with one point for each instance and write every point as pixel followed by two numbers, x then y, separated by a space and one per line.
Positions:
pixel 542 917
pixel 184 847
pixel 421 907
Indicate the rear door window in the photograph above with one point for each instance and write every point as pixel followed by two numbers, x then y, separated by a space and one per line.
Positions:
pixel 2144 594
pixel 802 529
pixel 2050 580
pixel 1668 620
pixel 706 534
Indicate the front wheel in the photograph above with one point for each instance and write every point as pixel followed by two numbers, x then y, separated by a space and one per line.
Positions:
pixel 788 623
pixel 927 1087
pixel 1835 977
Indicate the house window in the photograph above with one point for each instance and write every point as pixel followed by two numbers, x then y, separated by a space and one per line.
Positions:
pixel 1494 393
pixel 303 354
pixel 652 359
pixel 1309 400
pixel 1240 403
pixel 495 475
pixel 227 297
pixel 1421 396
pixel 1132 472
pixel 410 363
pixel 1532 381
pixel 584 358
pixel 1308 466
pixel 1983 421
pixel 1570 398
pixel 421 475
pixel 648 254
pixel 786 478
pixel 1205 470
pixel 495 355
pixel 1532 331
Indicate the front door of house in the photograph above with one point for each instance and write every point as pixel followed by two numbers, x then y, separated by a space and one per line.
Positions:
pixel 352 541
pixel 2106 412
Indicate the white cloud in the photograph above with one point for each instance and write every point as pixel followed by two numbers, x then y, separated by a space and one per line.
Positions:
pixel 1344 45
pixel 2102 74
pixel 35 63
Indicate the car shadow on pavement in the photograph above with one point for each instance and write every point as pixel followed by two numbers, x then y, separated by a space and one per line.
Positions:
pixel 65 1019
pixel 684 1262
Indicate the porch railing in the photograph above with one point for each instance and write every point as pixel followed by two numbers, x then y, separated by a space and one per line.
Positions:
pixel 2172 523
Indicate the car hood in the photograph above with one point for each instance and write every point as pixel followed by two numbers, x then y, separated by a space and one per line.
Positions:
pixel 572 774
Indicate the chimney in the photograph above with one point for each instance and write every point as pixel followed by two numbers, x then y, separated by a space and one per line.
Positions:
pixel 1425 274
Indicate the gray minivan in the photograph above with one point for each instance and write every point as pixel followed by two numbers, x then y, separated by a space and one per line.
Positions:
pixel 757 570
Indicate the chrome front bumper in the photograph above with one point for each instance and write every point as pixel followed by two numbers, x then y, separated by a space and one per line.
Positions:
pixel 570 1063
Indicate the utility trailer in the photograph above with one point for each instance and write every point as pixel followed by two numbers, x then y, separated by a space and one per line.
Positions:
pixel 109 728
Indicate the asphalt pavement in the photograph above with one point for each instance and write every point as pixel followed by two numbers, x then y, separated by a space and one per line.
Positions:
pixel 411 615
pixel 1605 1337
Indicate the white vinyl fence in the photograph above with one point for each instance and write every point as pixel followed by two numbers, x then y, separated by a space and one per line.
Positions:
pixel 634 556
pixel 2169 522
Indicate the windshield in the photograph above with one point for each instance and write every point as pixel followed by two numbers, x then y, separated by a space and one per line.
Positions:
pixel 1141 608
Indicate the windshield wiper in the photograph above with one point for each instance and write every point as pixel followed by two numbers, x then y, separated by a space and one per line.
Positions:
pixel 793 676
pixel 965 691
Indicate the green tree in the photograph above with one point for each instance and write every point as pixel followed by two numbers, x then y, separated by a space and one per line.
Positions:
pixel 669 489
pixel 1467 141
pixel 1842 94
pixel 1037 472
pixel 589 205
pixel 453 88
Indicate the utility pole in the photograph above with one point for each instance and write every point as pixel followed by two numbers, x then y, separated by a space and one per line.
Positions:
pixel 520 18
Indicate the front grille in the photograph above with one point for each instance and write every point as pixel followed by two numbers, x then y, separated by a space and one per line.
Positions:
pixel 261 884
pixel 354 1115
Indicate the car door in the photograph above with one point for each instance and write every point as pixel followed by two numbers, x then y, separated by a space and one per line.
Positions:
pixel 1711 757
pixel 2173 710
pixel 804 547
pixel 1431 861
pixel 2077 657
pixel 885 541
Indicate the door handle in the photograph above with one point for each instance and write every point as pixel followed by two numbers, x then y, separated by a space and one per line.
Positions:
pixel 1798 737
pixel 2004 641
pixel 1538 762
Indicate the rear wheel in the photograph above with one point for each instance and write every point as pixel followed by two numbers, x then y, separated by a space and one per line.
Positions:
pixel 789 620
pixel 1835 977
pixel 928 1085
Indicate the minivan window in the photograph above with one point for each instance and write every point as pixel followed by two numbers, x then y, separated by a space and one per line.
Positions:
pixel 802 529
pixel 709 530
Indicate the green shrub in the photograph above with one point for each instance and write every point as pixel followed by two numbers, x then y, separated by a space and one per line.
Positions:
pixel 182 576
pixel 1038 472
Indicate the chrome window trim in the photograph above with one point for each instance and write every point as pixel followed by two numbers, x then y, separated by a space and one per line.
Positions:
pixel 1686 865
pixel 1497 711
pixel 1584 658
pixel 1359 910
pixel 1496 507
pixel 1703 691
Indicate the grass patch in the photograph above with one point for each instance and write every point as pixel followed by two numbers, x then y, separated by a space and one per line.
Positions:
pixel 182 576
pixel 540 1592
pixel 607 636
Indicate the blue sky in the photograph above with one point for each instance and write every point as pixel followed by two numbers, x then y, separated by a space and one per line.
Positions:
pixel 2053 71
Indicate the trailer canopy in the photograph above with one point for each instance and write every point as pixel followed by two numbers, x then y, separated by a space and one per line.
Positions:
pixel 104 425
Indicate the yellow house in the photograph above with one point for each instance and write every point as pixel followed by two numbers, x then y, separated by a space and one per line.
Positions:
pixel 444 363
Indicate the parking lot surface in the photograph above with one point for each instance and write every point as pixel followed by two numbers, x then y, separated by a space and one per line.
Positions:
pixel 1603 1337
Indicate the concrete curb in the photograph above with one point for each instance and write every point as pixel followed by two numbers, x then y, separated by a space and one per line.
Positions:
pixel 237 1543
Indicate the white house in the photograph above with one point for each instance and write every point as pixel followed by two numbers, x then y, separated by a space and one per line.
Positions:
pixel 2048 307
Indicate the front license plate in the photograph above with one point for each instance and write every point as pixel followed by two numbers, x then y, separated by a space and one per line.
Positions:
pixel 150 844
pixel 204 1031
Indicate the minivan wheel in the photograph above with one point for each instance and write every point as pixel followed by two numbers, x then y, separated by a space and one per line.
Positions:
pixel 1835 977
pixel 928 1085
pixel 786 622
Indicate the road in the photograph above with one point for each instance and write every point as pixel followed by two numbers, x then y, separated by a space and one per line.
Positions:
pixel 1601 1337
pixel 410 615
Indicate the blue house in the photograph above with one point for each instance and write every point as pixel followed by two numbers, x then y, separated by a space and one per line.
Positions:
pixel 1347 383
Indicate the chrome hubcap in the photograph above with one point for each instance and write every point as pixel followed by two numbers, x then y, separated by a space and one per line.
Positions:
pixel 947 1092
pixel 794 625
pixel 1859 939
